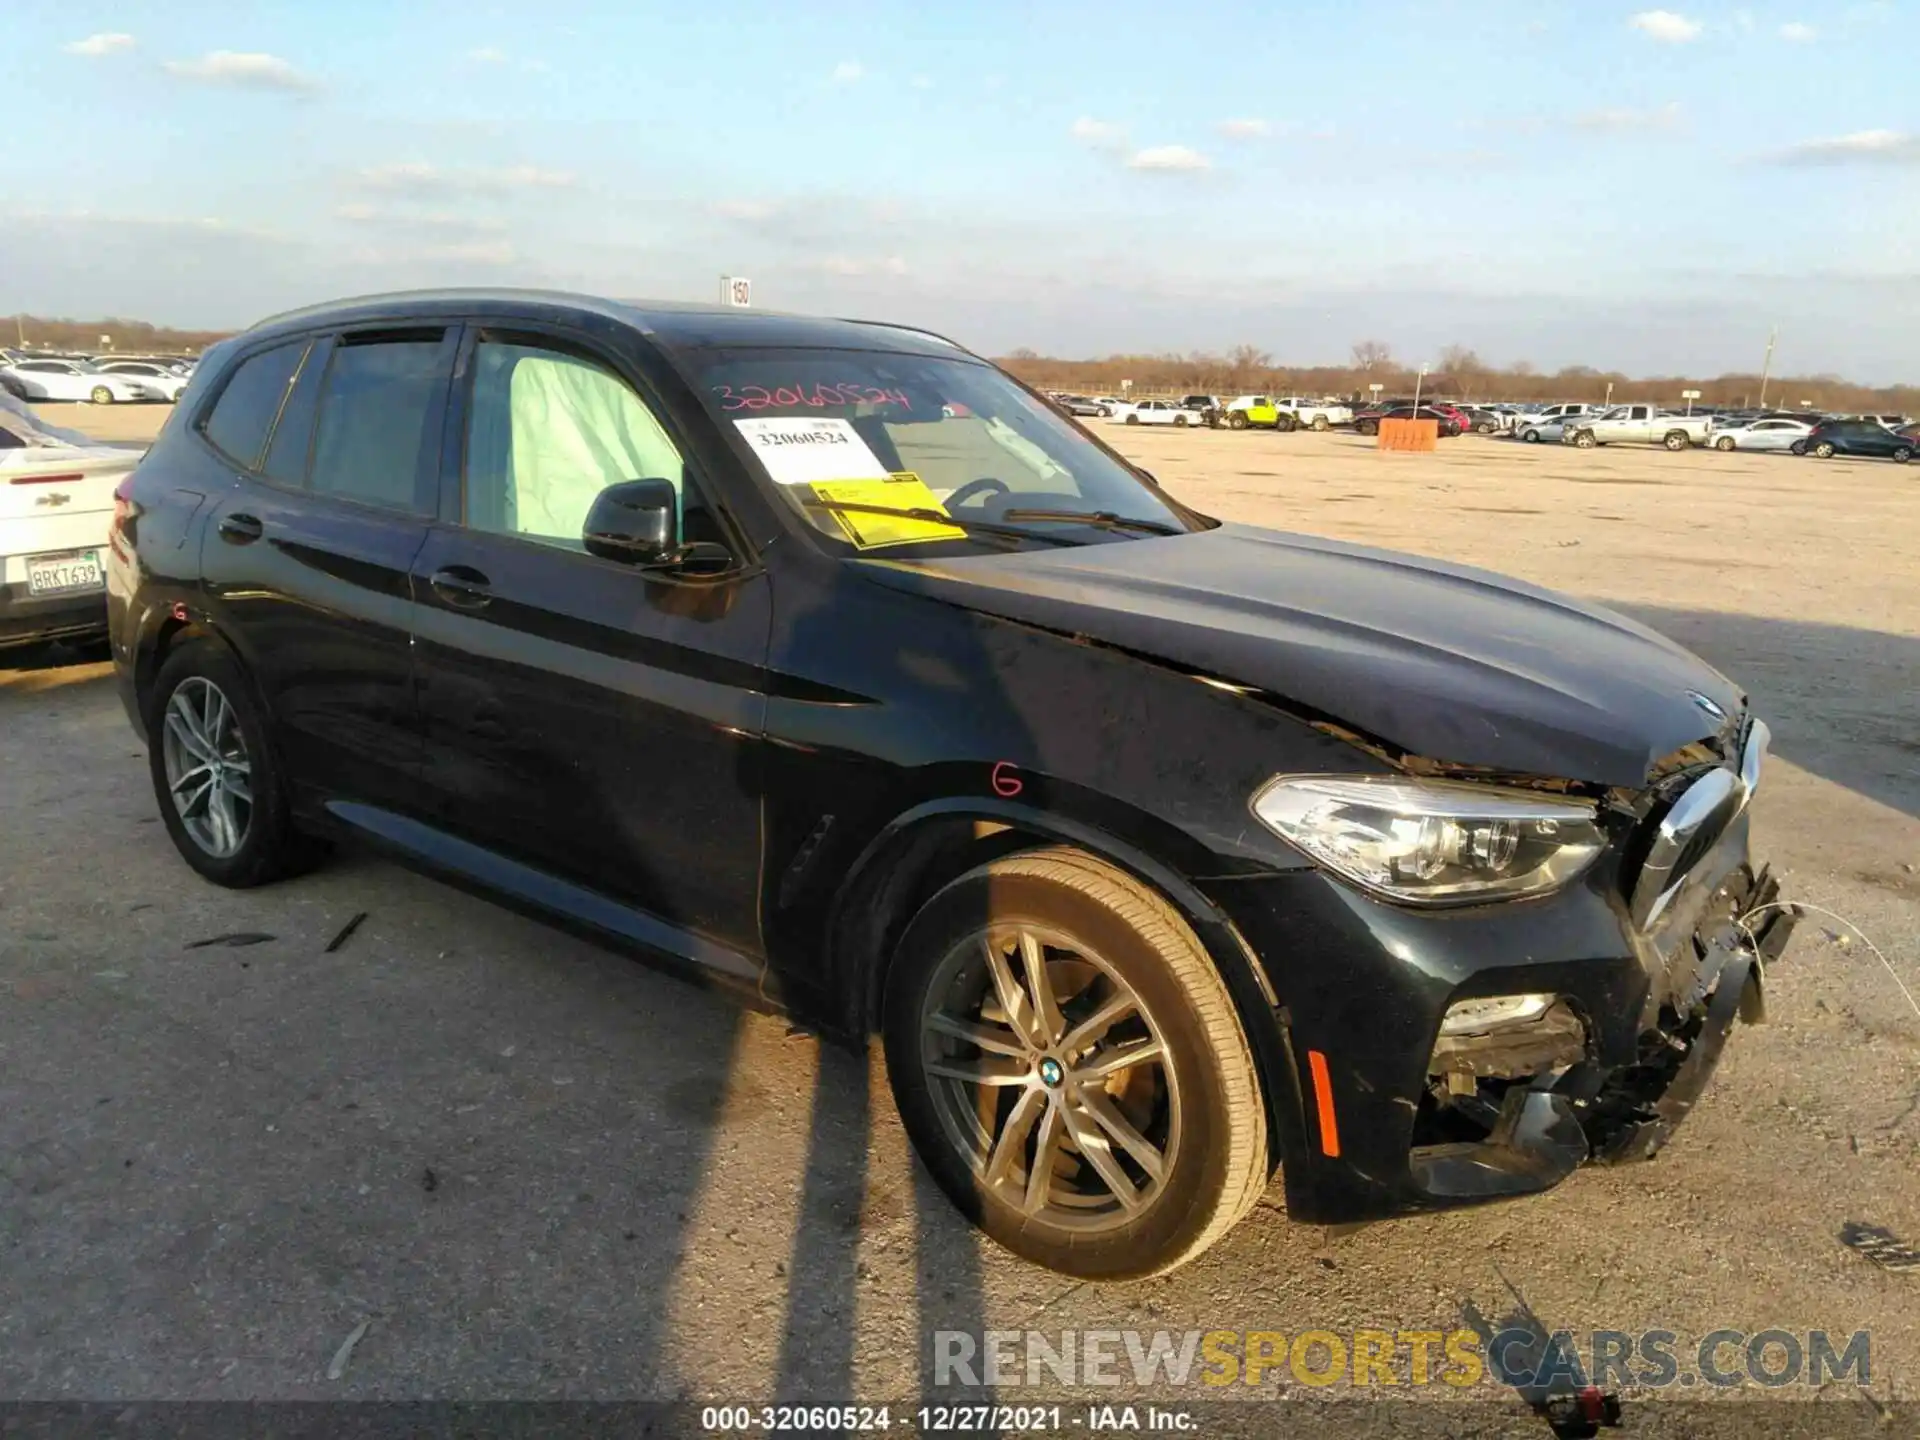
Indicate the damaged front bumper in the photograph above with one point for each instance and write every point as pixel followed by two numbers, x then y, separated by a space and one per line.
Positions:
pixel 1388 1098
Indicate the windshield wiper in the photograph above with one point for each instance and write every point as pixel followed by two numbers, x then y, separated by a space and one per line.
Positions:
pixel 1099 519
pixel 936 517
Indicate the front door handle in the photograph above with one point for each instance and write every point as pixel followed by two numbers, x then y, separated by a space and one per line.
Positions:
pixel 462 587
pixel 241 529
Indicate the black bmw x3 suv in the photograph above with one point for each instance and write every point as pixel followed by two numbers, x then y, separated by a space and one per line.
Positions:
pixel 823 661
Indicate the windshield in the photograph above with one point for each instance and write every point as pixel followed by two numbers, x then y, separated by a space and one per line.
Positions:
pixel 843 434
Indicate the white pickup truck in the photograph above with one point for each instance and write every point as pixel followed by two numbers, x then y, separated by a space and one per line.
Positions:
pixel 1314 414
pixel 1638 425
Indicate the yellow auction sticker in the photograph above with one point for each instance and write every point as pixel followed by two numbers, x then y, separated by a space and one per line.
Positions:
pixel 902 491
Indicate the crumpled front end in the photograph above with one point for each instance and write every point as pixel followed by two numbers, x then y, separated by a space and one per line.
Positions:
pixel 1442 1057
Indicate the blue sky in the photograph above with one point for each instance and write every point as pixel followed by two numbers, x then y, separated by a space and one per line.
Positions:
pixel 1559 181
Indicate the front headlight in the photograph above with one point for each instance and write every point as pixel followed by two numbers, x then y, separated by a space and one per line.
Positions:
pixel 1433 841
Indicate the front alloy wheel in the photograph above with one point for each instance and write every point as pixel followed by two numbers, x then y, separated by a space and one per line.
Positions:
pixel 101 395
pixel 1050 1077
pixel 1071 1069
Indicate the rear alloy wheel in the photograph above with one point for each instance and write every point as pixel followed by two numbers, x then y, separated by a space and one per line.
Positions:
pixel 1180 420
pixel 1902 455
pixel 1676 440
pixel 214 776
pixel 1320 423
pixel 1824 450
pixel 1725 442
pixel 1532 437
pixel 1071 1069
pixel 101 395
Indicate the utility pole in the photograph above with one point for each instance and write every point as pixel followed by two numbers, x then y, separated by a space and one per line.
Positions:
pixel 1766 366
pixel 20 329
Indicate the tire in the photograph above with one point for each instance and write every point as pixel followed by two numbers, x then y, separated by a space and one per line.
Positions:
pixel 1585 440
pixel 1133 419
pixel 1532 437
pixel 1483 428
pixel 268 847
pixel 101 395
pixel 1725 442
pixel 1368 427
pixel 1799 447
pixel 1285 424
pixel 1676 440
pixel 1824 450
pixel 1320 423
pixel 1902 455
pixel 1237 420
pixel 1180 421
pixel 1101 933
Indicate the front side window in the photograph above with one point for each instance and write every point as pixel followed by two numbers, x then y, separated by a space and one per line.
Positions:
pixel 547 431
pixel 244 413
pixel 955 435
pixel 375 407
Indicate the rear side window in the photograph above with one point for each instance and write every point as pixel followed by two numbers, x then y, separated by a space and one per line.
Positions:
pixel 245 411
pixel 376 409
pixel 292 440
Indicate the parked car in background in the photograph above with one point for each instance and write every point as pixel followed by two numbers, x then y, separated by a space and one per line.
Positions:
pixel 164 378
pixel 1861 438
pixel 56 502
pixel 1315 414
pixel 1638 425
pixel 1161 412
pixel 1080 405
pixel 1367 422
pixel 1483 420
pixel 77 380
pixel 1452 412
pixel 1774 434
pixel 1256 412
pixel 1108 403
pixel 1549 424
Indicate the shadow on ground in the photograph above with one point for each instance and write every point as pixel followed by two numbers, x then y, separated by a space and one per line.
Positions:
pixel 1841 700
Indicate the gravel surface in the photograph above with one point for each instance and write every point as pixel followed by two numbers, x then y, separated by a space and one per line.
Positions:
pixel 536 1169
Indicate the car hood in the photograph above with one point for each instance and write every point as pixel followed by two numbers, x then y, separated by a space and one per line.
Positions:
pixel 1443 661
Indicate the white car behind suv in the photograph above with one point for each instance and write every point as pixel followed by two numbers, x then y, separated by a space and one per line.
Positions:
pixel 56 503
pixel 77 380
pixel 1160 412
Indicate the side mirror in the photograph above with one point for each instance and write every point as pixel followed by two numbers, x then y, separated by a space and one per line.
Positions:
pixel 636 522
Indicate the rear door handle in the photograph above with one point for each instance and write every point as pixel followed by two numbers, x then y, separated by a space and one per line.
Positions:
pixel 462 587
pixel 241 529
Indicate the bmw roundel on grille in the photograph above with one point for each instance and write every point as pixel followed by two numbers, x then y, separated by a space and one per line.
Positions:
pixel 1707 705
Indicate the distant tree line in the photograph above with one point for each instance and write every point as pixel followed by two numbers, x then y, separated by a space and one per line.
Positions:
pixel 1458 374
pixel 32 332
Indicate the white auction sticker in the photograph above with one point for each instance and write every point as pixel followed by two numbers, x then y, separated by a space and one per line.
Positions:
pixel 802 451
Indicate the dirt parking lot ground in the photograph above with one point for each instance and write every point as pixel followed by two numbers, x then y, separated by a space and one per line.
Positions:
pixel 539 1169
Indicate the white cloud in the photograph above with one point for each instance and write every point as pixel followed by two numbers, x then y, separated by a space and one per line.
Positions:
pixel 247 71
pixel 413 177
pixel 848 71
pixel 1863 147
pixel 105 44
pixel 1244 129
pixel 745 209
pixel 1168 157
pixel 1622 121
pixel 1666 26
pixel 861 265
pixel 1797 32
pixel 1101 134
pixel 423 222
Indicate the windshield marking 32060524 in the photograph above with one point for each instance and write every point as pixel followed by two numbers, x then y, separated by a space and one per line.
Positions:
pixel 986 457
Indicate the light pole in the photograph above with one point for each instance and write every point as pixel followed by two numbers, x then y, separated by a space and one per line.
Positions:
pixel 1766 366
pixel 1417 379
pixel 1609 400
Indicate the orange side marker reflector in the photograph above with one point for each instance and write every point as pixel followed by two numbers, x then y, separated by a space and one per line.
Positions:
pixel 1323 1097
